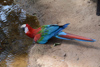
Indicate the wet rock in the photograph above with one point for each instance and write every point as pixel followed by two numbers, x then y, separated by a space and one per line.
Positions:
pixel 12 38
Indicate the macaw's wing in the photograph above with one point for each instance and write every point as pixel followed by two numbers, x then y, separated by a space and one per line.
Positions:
pixel 68 36
pixel 48 29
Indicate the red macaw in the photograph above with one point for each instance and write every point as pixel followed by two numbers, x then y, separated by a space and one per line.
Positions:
pixel 42 34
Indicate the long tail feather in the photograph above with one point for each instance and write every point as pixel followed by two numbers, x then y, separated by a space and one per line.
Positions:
pixel 68 36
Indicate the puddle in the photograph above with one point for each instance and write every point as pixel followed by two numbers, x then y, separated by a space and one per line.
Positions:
pixel 17 61
pixel 13 42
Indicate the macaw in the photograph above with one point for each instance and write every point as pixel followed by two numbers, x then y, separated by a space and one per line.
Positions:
pixel 42 34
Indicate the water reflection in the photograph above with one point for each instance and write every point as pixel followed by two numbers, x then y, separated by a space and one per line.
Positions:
pixel 12 38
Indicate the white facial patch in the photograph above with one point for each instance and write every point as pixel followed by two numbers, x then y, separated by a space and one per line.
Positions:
pixel 26 30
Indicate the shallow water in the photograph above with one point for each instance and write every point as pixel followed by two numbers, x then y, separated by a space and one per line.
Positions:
pixel 13 41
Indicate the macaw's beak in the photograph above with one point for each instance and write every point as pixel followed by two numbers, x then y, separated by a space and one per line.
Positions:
pixel 23 28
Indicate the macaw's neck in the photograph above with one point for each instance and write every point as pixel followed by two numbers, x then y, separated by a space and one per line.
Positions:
pixel 30 29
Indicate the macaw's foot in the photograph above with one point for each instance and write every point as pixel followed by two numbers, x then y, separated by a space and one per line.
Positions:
pixel 55 44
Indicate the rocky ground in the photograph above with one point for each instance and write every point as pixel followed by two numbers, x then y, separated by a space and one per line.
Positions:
pixel 81 14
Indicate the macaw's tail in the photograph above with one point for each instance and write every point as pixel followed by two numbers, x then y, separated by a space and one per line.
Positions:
pixel 68 36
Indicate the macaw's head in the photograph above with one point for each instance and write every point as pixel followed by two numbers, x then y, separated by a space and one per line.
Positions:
pixel 25 27
pixel 28 30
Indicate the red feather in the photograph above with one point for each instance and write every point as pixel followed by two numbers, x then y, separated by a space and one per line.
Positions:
pixel 37 37
pixel 72 36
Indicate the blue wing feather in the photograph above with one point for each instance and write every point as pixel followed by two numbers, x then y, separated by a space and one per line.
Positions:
pixel 48 31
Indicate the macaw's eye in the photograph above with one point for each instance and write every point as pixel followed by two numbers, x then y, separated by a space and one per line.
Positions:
pixel 23 29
